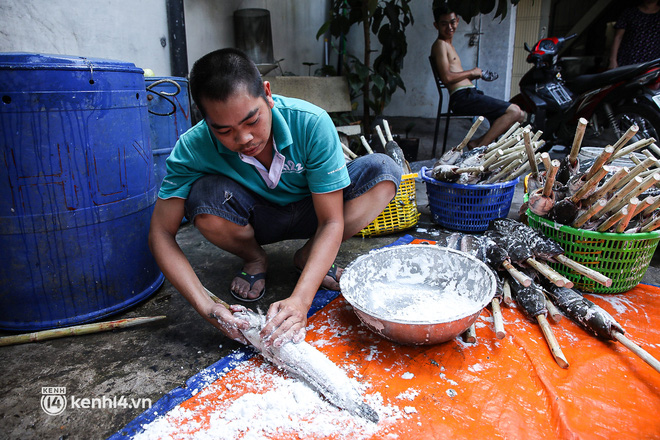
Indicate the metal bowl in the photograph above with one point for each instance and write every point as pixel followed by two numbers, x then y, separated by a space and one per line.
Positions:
pixel 418 294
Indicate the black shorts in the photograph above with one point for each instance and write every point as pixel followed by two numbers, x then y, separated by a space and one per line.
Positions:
pixel 473 102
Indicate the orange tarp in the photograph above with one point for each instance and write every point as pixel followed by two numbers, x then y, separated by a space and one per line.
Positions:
pixel 492 389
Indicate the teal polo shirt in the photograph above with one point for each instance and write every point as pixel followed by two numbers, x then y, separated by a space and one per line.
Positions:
pixel 304 134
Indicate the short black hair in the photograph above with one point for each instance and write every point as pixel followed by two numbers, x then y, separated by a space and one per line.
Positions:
pixel 440 8
pixel 217 75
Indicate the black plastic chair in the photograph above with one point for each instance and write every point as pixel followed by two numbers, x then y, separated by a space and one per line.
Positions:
pixel 441 87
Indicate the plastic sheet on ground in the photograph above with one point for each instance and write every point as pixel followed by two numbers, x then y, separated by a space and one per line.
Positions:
pixel 492 389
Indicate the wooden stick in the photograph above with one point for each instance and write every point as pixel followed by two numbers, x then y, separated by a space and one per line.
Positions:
pixel 510 131
pixel 366 146
pixel 348 152
pixel 633 147
pixel 504 171
pixel 76 330
pixel 470 335
pixel 530 153
pixel 506 293
pixel 632 130
pixel 639 351
pixel 609 184
pixel 553 312
pixel 547 162
pixel 475 169
pixel 555 349
pixel 651 226
pixel 636 171
pixel 584 270
pixel 492 158
pixel 643 186
pixel 577 141
pixel 648 201
pixel 620 195
pixel 498 321
pixel 623 223
pixel 550 177
pixel 555 277
pixel 655 149
pixel 517 275
pixel 470 133
pixel 589 185
pixel 601 160
pixel 594 209
pixel 380 135
pixel 649 210
pixel 537 136
pixel 611 221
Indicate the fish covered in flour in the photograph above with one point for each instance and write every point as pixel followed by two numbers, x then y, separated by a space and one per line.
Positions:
pixel 312 366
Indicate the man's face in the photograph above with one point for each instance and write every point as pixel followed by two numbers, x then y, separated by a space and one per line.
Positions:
pixel 242 123
pixel 446 25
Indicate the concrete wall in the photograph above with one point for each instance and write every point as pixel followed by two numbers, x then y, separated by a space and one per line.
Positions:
pixel 132 31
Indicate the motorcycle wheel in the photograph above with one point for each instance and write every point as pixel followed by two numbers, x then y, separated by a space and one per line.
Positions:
pixel 646 118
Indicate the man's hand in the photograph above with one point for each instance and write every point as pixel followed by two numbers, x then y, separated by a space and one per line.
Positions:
pixel 475 73
pixel 226 321
pixel 286 321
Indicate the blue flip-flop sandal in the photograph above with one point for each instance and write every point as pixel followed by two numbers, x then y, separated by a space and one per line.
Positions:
pixel 250 279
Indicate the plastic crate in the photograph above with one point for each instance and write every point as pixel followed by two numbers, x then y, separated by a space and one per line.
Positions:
pixel 468 208
pixel 401 213
pixel 622 257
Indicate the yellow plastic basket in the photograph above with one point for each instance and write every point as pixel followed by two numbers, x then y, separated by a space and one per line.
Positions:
pixel 401 213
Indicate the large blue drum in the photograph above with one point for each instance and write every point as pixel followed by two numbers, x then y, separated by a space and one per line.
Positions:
pixel 169 117
pixel 77 189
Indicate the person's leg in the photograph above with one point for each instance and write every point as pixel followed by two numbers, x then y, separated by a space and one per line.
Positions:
pixel 512 115
pixel 220 209
pixel 374 182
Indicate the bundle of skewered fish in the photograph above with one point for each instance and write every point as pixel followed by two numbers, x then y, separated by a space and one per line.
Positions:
pixel 513 155
pixel 539 296
pixel 600 196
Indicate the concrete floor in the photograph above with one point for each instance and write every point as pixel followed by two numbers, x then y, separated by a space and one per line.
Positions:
pixel 147 362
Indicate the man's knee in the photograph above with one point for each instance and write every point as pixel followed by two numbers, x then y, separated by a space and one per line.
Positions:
pixel 516 113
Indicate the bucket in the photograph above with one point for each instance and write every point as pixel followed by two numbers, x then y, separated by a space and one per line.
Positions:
pixel 168 103
pixel 77 190
pixel 253 35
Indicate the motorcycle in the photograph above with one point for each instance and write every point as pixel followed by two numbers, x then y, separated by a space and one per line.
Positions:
pixel 611 101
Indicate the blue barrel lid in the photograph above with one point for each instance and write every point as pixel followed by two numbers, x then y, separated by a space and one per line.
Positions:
pixel 39 61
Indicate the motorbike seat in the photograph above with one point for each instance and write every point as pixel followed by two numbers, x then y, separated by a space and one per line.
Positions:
pixel 582 83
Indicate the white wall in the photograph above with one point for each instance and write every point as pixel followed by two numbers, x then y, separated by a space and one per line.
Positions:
pixel 126 30
pixel 131 31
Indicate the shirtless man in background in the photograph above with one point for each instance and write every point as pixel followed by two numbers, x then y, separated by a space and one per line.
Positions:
pixel 464 98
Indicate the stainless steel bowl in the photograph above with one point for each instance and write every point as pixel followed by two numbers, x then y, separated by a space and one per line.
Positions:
pixel 418 294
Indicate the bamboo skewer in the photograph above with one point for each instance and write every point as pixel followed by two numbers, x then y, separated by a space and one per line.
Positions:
pixel 470 335
pixel 611 221
pixel 639 189
pixel 633 147
pixel 619 195
pixel 632 131
pixel 76 330
pixel 589 185
pixel 583 270
pixel 555 349
pixel 550 177
pixel 594 209
pixel 348 152
pixel 553 312
pixel 379 132
pixel 366 146
pixel 623 223
pixel 506 293
pixel 547 162
pixel 470 133
pixel 651 226
pixel 639 351
pixel 601 160
pixel 577 141
pixel 555 277
pixel 530 153
pixel 649 210
pixel 517 275
pixel 609 184
pixel 498 322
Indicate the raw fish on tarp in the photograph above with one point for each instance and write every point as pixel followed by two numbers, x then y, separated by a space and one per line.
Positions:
pixel 541 245
pixel 312 366
pixel 516 247
pixel 531 299
pixel 583 312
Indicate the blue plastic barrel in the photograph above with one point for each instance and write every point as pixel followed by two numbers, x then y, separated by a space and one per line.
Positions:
pixel 169 117
pixel 77 190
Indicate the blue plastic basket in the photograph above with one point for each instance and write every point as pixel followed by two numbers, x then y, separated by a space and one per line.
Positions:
pixel 467 208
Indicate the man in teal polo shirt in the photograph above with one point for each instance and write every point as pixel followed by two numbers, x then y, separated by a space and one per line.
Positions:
pixel 260 169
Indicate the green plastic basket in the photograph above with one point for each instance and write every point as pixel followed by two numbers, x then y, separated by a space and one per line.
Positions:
pixel 622 257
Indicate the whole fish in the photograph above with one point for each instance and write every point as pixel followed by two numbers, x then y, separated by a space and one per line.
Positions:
pixel 312 366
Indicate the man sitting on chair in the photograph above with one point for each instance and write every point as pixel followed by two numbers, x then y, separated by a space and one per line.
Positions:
pixel 464 98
